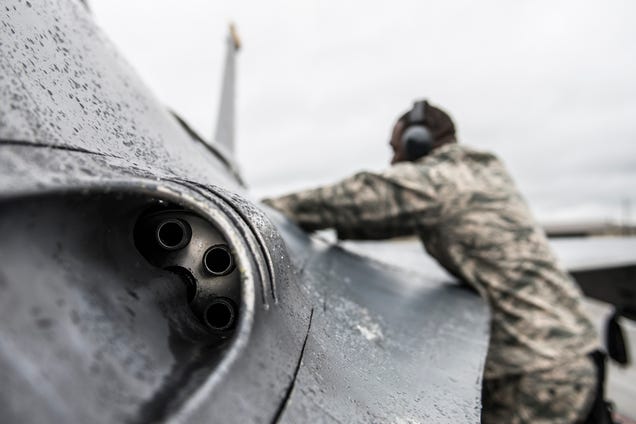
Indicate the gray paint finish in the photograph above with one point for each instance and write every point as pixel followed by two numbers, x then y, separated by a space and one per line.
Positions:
pixel 324 335
pixel 386 345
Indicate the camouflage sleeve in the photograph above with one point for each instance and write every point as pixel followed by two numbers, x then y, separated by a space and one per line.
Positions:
pixel 365 206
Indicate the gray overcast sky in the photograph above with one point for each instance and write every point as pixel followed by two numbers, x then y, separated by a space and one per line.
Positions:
pixel 548 85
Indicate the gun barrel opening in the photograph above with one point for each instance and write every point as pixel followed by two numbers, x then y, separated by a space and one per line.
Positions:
pixel 173 234
pixel 220 315
pixel 218 260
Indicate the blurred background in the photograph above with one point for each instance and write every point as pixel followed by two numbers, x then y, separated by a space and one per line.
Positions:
pixel 547 85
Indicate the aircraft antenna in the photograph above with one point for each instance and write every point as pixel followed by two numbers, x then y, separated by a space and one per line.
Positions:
pixel 224 134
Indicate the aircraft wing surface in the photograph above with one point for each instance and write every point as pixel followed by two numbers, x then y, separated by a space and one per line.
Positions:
pixel 603 266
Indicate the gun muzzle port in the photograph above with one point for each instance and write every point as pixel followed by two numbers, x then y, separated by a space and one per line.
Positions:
pixel 218 260
pixel 173 234
pixel 220 315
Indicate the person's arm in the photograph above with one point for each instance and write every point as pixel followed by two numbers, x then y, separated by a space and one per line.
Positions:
pixel 366 205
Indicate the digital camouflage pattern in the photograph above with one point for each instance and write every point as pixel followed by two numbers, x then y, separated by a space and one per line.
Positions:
pixel 469 215
pixel 561 395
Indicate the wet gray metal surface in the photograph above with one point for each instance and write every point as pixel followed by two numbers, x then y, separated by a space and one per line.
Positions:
pixel 386 345
pixel 91 332
pixel 577 254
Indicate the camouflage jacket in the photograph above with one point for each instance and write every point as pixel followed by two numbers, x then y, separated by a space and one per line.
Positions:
pixel 465 208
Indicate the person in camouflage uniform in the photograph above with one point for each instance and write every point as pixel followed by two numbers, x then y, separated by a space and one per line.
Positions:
pixel 465 208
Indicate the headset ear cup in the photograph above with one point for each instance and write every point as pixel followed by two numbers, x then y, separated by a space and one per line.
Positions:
pixel 417 141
